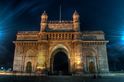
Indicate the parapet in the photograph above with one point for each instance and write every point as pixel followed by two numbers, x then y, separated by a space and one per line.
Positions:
pixel 60 26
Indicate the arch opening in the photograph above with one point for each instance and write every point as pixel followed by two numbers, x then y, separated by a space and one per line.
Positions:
pixel 29 67
pixel 60 62
pixel 91 67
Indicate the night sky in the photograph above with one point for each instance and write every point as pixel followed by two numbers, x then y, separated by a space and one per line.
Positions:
pixel 24 15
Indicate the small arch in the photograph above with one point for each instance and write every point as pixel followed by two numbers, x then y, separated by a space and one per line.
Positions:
pixel 28 67
pixel 90 51
pixel 91 67
pixel 91 61
pixel 90 54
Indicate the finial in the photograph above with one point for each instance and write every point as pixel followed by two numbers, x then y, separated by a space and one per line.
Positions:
pixel 44 13
pixel 75 13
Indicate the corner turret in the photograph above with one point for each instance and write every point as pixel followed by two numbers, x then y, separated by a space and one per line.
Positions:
pixel 44 18
pixel 76 21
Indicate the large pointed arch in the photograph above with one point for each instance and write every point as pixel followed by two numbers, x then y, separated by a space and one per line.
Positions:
pixel 57 49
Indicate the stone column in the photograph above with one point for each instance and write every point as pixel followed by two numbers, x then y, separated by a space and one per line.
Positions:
pixel 78 55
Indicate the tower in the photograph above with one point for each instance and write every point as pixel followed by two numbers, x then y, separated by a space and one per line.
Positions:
pixel 44 18
pixel 76 22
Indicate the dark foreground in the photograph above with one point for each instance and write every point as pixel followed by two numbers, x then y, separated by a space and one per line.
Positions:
pixel 12 78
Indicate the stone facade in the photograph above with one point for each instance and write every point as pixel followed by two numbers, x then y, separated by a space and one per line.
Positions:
pixel 35 50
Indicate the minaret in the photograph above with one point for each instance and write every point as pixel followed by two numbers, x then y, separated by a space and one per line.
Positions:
pixel 43 24
pixel 76 21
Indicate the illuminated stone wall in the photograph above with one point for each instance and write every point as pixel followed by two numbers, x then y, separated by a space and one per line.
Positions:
pixel 86 51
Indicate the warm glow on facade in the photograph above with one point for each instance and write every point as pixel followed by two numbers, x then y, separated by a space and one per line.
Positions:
pixel 36 50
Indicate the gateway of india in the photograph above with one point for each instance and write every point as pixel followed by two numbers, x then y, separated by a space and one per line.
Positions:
pixel 60 46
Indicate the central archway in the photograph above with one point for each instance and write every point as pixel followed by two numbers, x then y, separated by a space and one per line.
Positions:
pixel 60 62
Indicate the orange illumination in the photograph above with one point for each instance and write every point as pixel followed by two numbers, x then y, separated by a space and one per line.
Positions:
pixel 39 67
pixel 78 62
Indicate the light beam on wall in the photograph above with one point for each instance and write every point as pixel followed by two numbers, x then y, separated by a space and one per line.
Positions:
pixel 1 35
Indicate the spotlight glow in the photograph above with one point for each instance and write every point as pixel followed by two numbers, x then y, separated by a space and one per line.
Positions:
pixel 1 34
pixel 122 38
